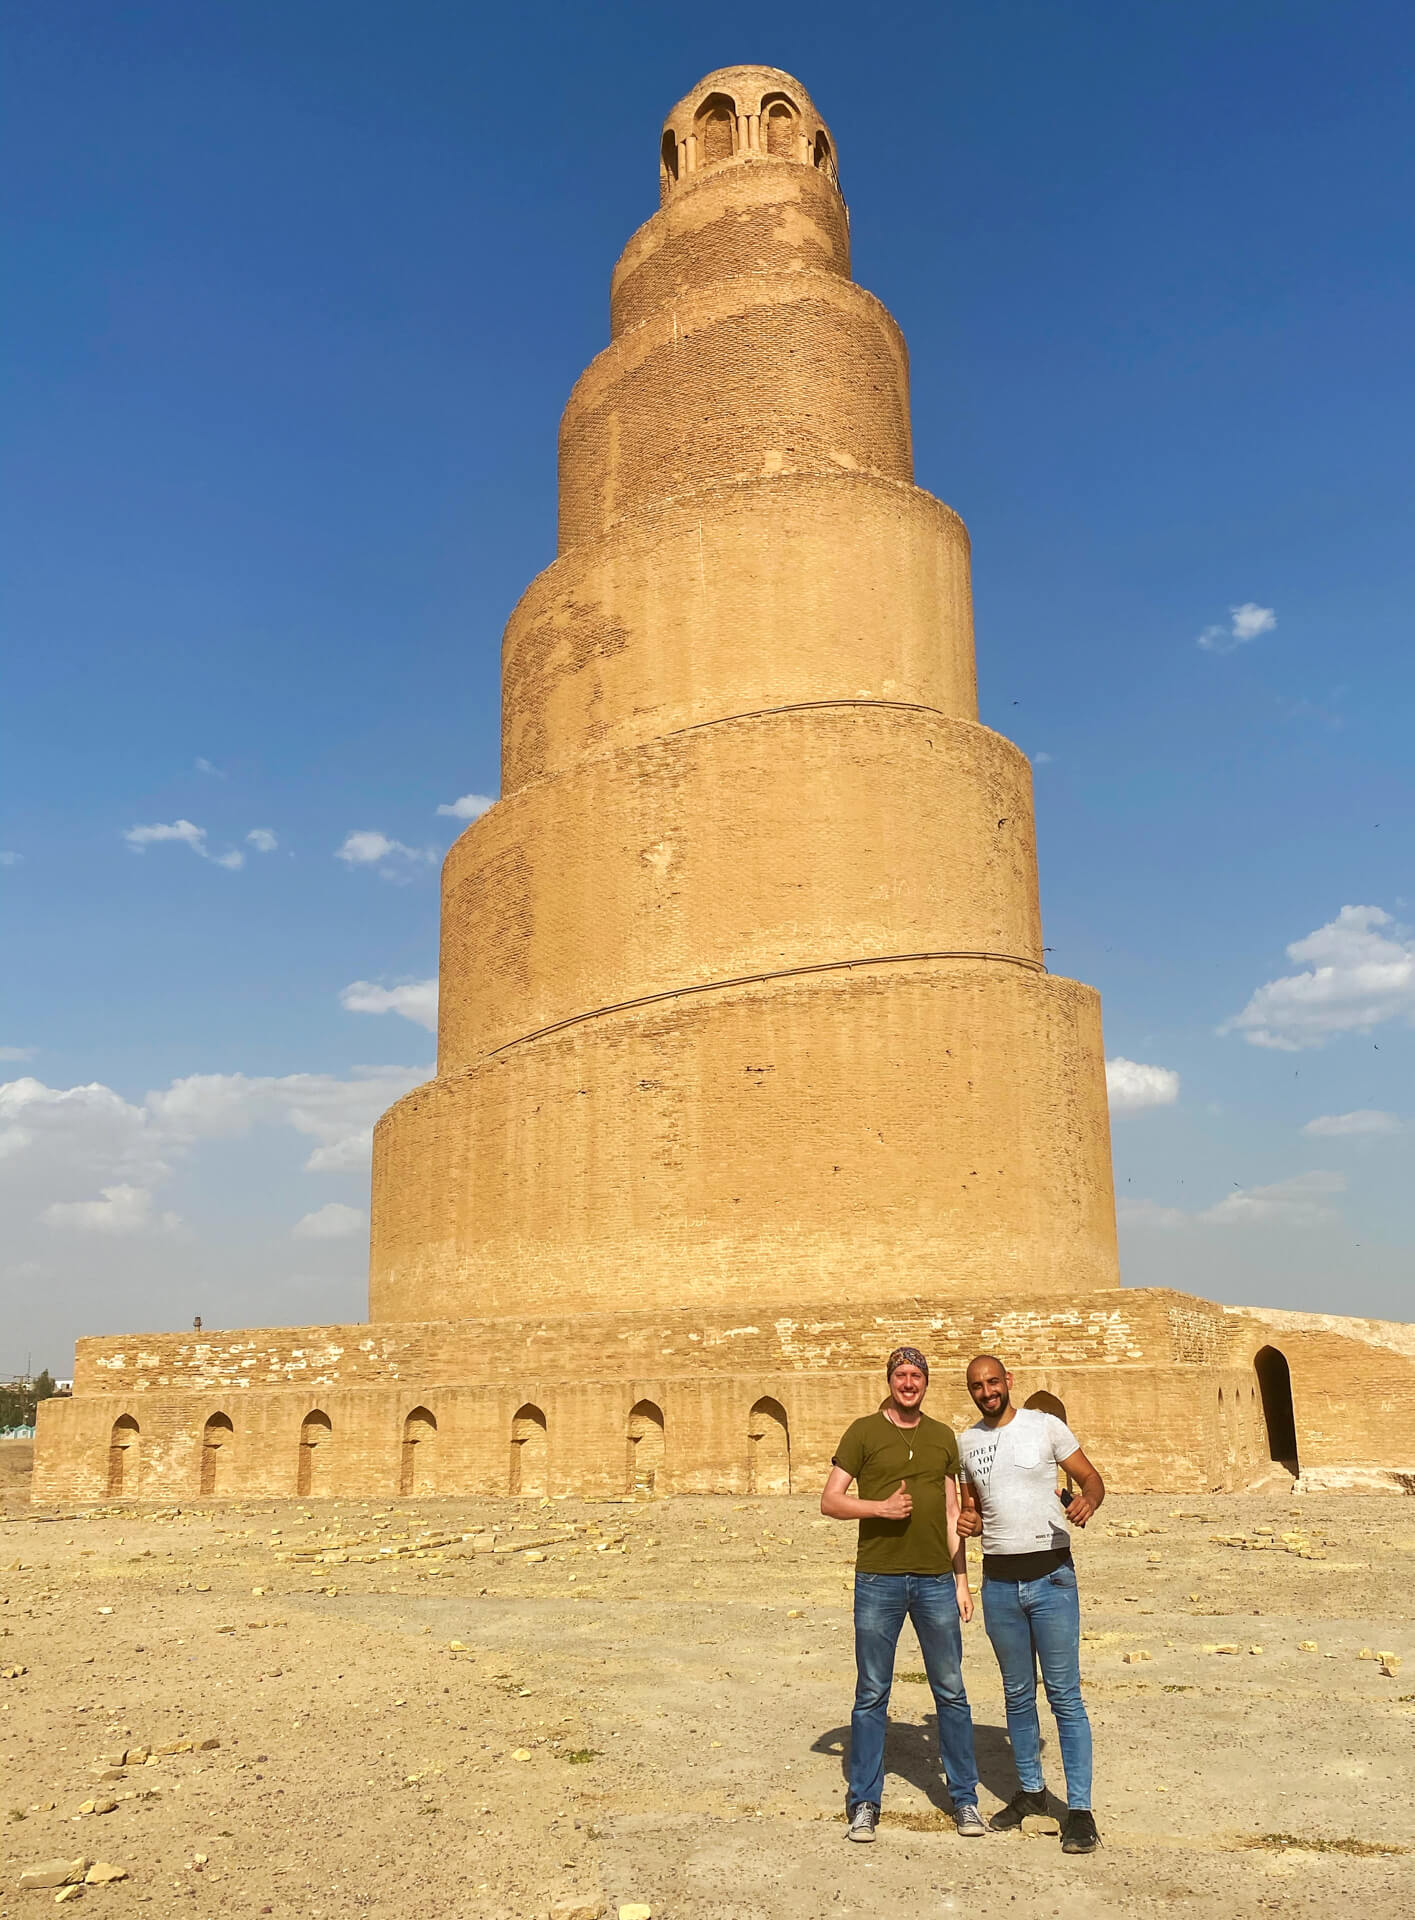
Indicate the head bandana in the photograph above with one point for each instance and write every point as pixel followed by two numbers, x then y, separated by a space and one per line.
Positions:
pixel 906 1357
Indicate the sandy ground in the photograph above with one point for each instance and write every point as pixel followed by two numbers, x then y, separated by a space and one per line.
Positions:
pixel 417 1717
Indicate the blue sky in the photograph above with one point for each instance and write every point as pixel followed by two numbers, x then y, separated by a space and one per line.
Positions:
pixel 298 293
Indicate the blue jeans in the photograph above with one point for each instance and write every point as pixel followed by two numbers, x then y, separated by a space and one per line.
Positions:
pixel 1039 1621
pixel 883 1601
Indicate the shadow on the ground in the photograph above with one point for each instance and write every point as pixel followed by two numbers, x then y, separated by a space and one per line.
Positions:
pixel 911 1752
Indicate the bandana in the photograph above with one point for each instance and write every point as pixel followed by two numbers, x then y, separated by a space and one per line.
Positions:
pixel 907 1357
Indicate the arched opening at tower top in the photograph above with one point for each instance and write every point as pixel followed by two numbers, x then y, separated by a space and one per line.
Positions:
pixel 1275 1387
pixel 716 128
pixel 779 119
pixel 669 155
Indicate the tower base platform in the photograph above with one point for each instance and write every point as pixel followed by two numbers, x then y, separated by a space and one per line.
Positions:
pixel 1167 1392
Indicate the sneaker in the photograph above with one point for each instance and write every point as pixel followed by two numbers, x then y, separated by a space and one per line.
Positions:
pixel 969 1823
pixel 1009 1818
pixel 1078 1831
pixel 863 1821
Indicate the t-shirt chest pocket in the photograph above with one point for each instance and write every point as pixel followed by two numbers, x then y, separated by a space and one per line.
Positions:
pixel 1026 1454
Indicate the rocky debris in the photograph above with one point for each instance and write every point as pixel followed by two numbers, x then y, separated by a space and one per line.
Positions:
pixel 54 1873
pixel 521 1753
pixel 12 1673
pixel 103 1873
pixel 636 1910
pixel 1390 1664
pixel 1221 1646
pixel 1041 1826
pixel 1136 1655
pixel 578 1906
pixel 68 1893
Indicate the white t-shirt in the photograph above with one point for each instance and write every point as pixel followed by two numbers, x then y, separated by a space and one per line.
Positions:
pixel 1013 1469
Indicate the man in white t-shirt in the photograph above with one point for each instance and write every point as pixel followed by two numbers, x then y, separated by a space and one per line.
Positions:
pixel 1030 1605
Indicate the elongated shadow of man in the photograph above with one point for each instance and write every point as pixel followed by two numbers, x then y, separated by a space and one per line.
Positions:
pixel 911 1753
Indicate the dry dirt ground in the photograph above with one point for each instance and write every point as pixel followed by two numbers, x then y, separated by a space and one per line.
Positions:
pixel 486 1708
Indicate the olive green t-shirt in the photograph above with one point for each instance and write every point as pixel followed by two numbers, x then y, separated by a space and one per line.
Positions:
pixel 878 1455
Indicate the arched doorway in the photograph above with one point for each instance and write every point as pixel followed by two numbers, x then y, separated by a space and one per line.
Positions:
pixel 122 1454
pixel 768 1448
pixel 1275 1387
pixel 419 1436
pixel 217 1439
pixel 645 1447
pixel 530 1452
pixel 316 1436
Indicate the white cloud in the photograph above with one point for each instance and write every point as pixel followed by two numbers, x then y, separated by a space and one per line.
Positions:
pixel 1042 759
pixel 1133 1086
pixel 369 849
pixel 141 838
pixel 205 766
pixel 56 1143
pixel 1358 977
pixel 1338 1126
pixel 415 1000
pixel 334 1222
pixel 123 1209
pixel 262 839
pixel 471 806
pixel 1246 622
pixel 18 1053
pixel 8 858
pixel 1149 1213
pixel 1298 1202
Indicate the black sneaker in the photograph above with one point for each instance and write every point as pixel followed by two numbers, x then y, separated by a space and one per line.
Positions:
pixel 864 1818
pixel 1078 1831
pixel 1009 1818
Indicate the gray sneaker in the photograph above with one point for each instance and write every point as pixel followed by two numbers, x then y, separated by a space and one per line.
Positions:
pixel 863 1821
pixel 969 1823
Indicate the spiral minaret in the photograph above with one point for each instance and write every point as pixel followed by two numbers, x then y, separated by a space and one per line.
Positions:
pixel 742 992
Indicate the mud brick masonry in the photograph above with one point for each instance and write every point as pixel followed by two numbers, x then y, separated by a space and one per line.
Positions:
pixel 749 1065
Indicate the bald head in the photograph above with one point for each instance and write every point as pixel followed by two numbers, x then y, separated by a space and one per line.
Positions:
pixel 990 1387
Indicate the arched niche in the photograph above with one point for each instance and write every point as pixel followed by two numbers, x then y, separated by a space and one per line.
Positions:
pixel 419 1451
pixel 646 1444
pixel 530 1452
pixel 217 1441
pixel 768 1448
pixel 781 126
pixel 1274 1378
pixel 123 1454
pixel 824 159
pixel 316 1447
pixel 715 124
pixel 1046 1403
pixel 668 157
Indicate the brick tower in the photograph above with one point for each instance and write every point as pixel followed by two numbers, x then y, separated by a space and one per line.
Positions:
pixel 742 993
pixel 749 1067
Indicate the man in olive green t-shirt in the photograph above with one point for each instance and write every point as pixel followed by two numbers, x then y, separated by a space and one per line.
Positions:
pixel 910 1564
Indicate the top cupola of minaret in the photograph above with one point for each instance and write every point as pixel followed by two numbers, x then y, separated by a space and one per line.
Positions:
pixel 739 115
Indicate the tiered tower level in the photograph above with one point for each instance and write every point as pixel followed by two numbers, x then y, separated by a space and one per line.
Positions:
pixel 749 1067
pixel 742 990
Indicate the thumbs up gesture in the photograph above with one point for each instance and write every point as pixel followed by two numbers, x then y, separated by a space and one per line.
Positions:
pixel 898 1506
